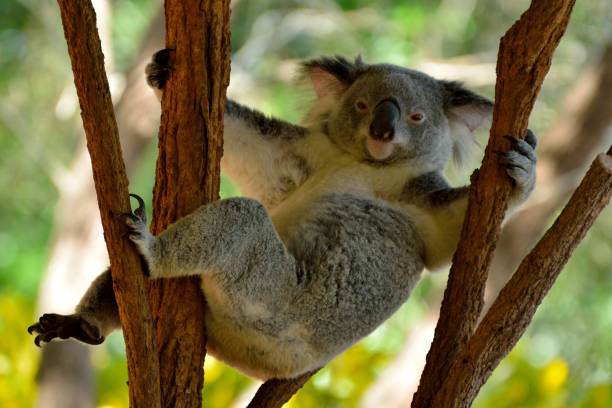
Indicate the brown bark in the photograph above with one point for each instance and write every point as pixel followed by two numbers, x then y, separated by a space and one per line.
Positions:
pixel 187 176
pixel 524 58
pixel 563 156
pixel 516 304
pixel 111 183
pixel 274 393
pixel 65 375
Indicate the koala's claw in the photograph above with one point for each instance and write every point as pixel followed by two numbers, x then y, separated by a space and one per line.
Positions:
pixel 138 232
pixel 136 226
pixel 141 210
pixel 520 161
pixel 137 220
pixel 524 147
pixel 159 68
pixel 531 138
pixel 51 325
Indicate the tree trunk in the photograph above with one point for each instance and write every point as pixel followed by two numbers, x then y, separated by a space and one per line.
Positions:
pixel 512 311
pixel 66 377
pixel 187 176
pixel 524 57
pixel 580 131
pixel 79 21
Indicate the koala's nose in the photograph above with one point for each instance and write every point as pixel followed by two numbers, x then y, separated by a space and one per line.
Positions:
pixel 386 114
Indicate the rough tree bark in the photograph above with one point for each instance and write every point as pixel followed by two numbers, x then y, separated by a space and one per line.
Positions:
pixel 512 311
pixel 524 57
pixel 274 393
pixel 65 377
pixel 580 131
pixel 187 176
pixel 79 21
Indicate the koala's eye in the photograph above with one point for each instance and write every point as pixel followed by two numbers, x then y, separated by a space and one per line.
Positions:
pixel 361 105
pixel 416 116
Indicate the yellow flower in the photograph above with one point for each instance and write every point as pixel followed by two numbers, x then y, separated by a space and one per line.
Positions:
pixel 554 376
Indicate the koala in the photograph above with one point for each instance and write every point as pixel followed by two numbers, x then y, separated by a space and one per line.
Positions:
pixel 340 216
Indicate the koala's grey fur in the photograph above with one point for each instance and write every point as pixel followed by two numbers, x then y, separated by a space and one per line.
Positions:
pixel 337 227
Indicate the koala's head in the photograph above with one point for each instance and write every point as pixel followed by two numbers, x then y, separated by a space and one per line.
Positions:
pixel 385 114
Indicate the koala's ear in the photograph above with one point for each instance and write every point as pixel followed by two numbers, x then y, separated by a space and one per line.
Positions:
pixel 330 77
pixel 465 111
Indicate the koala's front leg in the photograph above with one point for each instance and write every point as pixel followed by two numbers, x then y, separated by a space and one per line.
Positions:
pixel 441 208
pixel 259 152
pixel 520 162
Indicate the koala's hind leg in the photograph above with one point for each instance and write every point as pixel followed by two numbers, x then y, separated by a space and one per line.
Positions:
pixel 96 316
pixel 232 240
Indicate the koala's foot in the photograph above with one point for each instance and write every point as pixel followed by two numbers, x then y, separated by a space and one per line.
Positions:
pixel 53 325
pixel 139 233
pixel 159 68
pixel 520 162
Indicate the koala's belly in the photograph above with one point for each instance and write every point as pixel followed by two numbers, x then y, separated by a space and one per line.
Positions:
pixel 359 258
pixel 258 354
pixel 250 339
pixel 362 259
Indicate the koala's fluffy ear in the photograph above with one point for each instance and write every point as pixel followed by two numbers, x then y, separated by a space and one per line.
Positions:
pixel 465 111
pixel 330 77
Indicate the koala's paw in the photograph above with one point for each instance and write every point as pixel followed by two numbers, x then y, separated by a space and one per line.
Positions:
pixel 51 325
pixel 159 68
pixel 520 162
pixel 138 232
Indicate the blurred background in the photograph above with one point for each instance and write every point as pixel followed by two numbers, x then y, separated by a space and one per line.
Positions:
pixel 51 244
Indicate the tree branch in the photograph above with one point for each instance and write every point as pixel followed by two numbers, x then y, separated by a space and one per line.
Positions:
pixel 79 21
pixel 578 133
pixel 274 393
pixel 518 301
pixel 187 176
pixel 524 58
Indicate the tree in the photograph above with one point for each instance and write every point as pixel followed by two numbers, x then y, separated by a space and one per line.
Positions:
pixel 186 142
pixel 575 137
pixel 192 113
pixel 66 377
pixel 187 176
pixel 563 154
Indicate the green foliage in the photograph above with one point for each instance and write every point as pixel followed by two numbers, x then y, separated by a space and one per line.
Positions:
pixel 111 365
pixel 565 359
pixel 130 22
pixel 222 385
pixel 18 358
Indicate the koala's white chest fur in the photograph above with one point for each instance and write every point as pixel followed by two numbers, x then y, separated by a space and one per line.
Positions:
pixel 334 172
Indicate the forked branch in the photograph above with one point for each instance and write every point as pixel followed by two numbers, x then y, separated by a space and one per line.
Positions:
pixel 524 58
pixel 509 316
